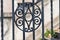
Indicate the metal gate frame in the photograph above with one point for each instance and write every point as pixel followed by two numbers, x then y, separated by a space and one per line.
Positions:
pixel 13 19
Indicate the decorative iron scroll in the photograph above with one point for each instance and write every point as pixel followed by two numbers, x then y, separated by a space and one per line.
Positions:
pixel 28 16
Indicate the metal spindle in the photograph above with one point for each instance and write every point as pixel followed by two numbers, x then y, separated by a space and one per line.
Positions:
pixel 42 19
pixel 33 20
pixel 2 37
pixel 13 19
pixel 51 1
pixel 23 21
pixel 59 15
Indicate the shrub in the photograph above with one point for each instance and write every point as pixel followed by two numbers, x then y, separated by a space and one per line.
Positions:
pixel 46 34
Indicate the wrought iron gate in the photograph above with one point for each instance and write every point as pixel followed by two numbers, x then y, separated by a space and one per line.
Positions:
pixel 36 17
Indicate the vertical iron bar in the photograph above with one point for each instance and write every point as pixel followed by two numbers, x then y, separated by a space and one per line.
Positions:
pixel 13 19
pixel 59 15
pixel 51 17
pixel 23 22
pixel 2 20
pixel 33 21
pixel 42 19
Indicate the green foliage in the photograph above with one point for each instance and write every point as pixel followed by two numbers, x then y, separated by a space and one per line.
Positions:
pixel 46 34
pixel 40 38
pixel 54 35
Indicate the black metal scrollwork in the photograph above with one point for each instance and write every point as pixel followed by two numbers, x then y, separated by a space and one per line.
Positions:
pixel 19 21
pixel 19 13
pixel 37 12
pixel 28 21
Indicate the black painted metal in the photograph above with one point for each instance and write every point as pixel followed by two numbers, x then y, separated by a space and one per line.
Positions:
pixel 19 13
pixel 51 16
pixel 42 19
pixel 59 15
pixel 23 21
pixel 13 20
pixel 33 20
pixel 2 37
pixel 22 10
